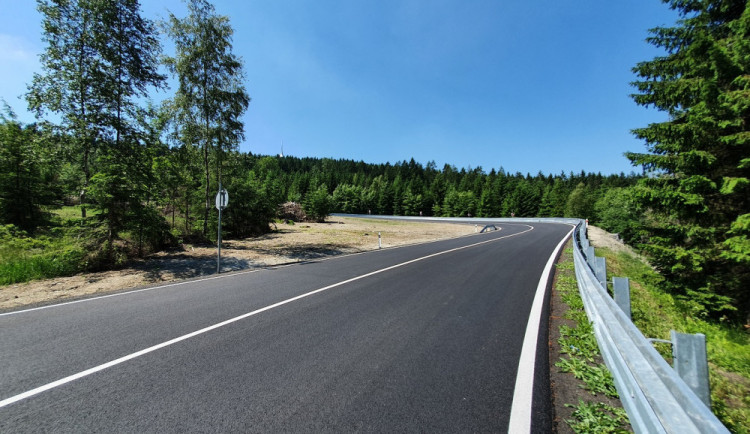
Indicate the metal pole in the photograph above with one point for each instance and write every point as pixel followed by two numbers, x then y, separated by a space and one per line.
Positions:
pixel 621 288
pixel 218 257
pixel 691 363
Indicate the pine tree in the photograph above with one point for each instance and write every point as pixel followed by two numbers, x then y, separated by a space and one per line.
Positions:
pixel 698 188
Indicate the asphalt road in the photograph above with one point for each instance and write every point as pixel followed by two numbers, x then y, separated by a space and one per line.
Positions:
pixel 423 338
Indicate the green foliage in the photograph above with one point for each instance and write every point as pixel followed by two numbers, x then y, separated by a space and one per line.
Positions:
pixel 617 212
pixel 597 378
pixel 579 343
pixel 255 205
pixel 27 173
pixel 699 182
pixel 737 246
pixel 211 95
pixel 581 202
pixel 318 204
pixel 523 201
pixel 656 311
pixel 459 204
pixel 597 417
pixel 348 199
pixel 23 258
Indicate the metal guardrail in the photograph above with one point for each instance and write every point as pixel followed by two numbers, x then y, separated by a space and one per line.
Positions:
pixel 656 399
pixel 654 395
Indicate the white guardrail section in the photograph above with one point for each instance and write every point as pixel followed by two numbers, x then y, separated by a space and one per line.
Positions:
pixel 656 399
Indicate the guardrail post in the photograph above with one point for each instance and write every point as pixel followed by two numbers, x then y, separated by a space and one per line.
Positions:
pixel 590 254
pixel 600 269
pixel 691 363
pixel 621 287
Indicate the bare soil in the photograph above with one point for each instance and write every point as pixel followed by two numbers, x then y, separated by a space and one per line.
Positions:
pixel 287 244
pixel 601 238
pixel 564 388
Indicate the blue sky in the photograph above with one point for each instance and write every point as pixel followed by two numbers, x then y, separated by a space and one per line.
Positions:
pixel 529 86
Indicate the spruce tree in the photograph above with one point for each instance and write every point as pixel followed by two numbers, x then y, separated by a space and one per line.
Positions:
pixel 69 84
pixel 698 161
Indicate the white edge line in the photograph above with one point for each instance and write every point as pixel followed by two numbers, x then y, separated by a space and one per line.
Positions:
pixel 95 369
pixel 127 292
pixel 520 410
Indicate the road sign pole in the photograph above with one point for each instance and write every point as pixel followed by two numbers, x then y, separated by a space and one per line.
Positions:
pixel 218 256
pixel 222 200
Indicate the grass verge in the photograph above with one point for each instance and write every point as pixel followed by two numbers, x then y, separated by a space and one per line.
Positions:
pixel 596 411
pixel 655 313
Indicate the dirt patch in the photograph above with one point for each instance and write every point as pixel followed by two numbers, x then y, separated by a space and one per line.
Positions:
pixel 601 238
pixel 564 388
pixel 288 244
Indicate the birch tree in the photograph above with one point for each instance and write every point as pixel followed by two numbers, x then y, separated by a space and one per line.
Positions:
pixel 211 96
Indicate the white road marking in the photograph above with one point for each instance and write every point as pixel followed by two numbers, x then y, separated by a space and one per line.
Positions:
pixel 520 410
pixel 68 379
pixel 185 282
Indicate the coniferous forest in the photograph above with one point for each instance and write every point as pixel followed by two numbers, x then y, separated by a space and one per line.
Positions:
pixel 104 175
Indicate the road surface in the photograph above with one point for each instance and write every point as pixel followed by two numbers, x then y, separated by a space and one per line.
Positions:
pixel 423 338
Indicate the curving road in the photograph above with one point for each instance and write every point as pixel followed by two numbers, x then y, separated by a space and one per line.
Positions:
pixel 424 338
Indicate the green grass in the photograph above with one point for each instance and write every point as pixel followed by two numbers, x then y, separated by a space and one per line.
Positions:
pixel 655 313
pixel 23 258
pixel 579 344
pixel 597 417
pixel 57 249
pixel 70 214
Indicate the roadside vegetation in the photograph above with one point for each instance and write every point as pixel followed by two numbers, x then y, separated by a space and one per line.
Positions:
pixel 655 312
pixel 598 410
pixel 53 253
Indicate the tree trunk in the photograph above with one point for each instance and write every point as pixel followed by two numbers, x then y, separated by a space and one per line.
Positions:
pixel 187 212
pixel 86 177
pixel 208 190
pixel 206 144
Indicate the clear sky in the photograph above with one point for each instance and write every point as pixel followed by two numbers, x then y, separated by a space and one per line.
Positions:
pixel 527 85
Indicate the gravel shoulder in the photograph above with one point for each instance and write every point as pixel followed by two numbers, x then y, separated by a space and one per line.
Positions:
pixel 287 244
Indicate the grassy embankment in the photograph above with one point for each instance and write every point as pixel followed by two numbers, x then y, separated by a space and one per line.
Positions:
pixel 655 313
